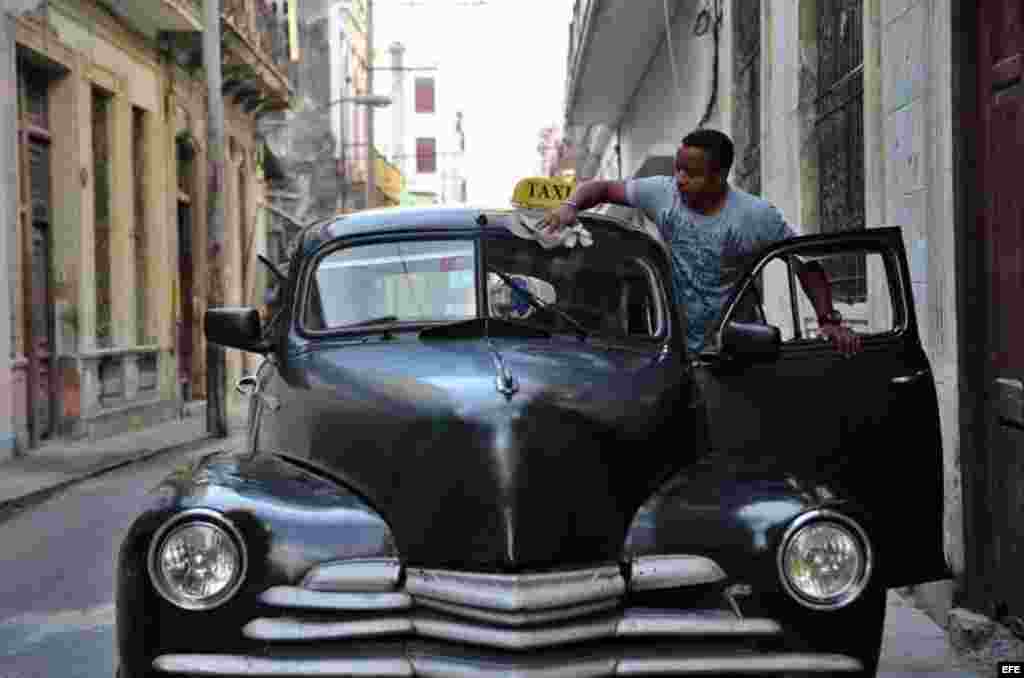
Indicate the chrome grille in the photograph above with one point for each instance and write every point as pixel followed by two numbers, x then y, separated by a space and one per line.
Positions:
pixel 553 624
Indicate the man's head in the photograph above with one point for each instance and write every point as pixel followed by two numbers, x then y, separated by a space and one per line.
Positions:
pixel 703 162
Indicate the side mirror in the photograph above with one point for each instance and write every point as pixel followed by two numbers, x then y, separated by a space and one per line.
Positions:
pixel 236 327
pixel 751 341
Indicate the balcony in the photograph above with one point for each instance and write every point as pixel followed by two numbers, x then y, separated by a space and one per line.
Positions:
pixel 155 16
pixel 255 54
pixel 609 36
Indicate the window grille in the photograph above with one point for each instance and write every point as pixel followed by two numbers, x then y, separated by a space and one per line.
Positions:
pixel 839 133
pixel 747 75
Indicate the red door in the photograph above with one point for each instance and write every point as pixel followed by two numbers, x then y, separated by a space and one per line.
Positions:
pixel 1001 109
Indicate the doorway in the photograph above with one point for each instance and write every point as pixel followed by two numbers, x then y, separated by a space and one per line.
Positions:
pixel 36 210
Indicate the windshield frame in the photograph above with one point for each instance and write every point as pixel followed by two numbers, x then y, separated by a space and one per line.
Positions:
pixel 304 292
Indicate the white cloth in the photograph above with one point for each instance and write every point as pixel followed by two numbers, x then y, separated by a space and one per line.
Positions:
pixel 528 226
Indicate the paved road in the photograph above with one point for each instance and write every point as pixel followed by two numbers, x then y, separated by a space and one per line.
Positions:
pixel 57 573
pixel 57 582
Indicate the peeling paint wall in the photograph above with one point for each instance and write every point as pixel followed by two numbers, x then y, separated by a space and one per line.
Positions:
pixel 908 167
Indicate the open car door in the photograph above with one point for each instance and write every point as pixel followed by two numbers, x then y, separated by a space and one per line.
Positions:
pixel 863 428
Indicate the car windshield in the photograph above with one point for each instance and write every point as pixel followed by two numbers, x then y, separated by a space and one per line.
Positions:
pixel 383 283
pixel 609 290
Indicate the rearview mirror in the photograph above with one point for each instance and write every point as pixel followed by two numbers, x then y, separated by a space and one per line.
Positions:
pixel 751 341
pixel 236 327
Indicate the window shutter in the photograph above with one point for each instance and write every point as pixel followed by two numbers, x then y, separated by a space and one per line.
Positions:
pixel 426 155
pixel 424 95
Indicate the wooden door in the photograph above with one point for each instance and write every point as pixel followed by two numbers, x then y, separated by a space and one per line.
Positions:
pixel 184 329
pixel 1001 150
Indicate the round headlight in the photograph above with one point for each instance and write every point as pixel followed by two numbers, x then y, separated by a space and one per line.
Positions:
pixel 195 563
pixel 825 560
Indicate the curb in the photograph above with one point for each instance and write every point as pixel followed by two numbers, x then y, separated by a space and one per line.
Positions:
pixel 11 506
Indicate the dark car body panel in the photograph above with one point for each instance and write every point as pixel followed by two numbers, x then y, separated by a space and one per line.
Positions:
pixel 396 444
pixel 499 502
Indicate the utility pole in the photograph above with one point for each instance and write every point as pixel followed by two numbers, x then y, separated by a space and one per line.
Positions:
pixel 216 368
pixel 371 169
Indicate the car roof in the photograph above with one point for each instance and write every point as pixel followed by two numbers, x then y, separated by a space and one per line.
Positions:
pixel 430 218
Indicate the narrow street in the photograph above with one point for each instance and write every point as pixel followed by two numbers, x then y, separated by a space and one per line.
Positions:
pixel 57 593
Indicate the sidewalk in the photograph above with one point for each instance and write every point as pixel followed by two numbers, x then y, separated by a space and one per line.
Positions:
pixel 913 644
pixel 58 464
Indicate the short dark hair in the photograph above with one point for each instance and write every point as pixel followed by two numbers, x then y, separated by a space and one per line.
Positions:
pixel 716 144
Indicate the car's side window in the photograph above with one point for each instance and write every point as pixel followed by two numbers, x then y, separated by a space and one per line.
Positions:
pixel 859 285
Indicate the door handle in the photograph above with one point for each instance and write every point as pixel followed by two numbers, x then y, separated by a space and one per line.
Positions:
pixel 908 378
pixel 247 385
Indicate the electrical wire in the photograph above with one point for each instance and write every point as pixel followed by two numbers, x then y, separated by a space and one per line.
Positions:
pixel 716 25
pixel 672 52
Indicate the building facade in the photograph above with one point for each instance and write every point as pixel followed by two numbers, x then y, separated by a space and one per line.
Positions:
pixel 318 147
pixel 421 133
pixel 107 257
pixel 841 114
pixel 557 156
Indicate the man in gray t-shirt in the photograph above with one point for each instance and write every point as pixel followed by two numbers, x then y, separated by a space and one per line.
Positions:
pixel 712 231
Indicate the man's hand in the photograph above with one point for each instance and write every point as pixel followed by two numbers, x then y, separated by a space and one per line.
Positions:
pixel 558 219
pixel 846 340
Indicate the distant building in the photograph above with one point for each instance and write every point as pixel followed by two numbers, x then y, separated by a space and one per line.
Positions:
pixel 557 157
pixel 421 134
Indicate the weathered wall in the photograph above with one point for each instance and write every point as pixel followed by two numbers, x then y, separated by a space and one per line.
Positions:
pixel 94 49
pixel 908 166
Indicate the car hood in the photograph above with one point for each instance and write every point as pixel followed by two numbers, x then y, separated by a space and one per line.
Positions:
pixel 470 478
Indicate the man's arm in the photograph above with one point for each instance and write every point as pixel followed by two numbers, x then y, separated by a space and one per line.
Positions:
pixel 816 286
pixel 591 193
pixel 586 195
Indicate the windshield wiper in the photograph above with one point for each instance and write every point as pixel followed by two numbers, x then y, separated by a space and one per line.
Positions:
pixel 539 304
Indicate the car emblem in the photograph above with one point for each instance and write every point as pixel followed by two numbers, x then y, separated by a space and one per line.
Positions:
pixel 505 381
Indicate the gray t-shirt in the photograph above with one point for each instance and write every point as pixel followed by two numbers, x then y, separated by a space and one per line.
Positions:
pixel 709 253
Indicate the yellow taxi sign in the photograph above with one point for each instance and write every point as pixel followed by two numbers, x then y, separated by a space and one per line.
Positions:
pixel 542 192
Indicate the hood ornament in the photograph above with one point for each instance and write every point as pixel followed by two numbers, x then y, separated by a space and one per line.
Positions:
pixel 505 381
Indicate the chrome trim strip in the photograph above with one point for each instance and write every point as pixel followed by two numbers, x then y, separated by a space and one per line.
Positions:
pixel 197 515
pixel 292 596
pixel 738 663
pixel 297 629
pixel 518 618
pixel 825 515
pixel 369 575
pixel 422 663
pixel 432 666
pixel 666 572
pixel 640 622
pixel 517 593
pixel 242 665
pixel 513 639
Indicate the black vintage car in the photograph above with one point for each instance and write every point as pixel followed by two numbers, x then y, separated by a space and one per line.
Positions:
pixel 472 455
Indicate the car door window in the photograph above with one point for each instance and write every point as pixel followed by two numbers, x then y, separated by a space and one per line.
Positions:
pixel 778 298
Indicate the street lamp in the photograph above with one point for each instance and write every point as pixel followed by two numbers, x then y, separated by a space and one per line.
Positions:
pixel 373 101
pixel 376 101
